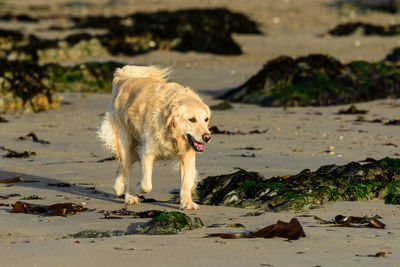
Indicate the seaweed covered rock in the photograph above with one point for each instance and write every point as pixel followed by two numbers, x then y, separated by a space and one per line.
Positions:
pixel 207 30
pixel 350 182
pixel 15 46
pixel 87 77
pixel 67 50
pixel 168 223
pixel 317 80
pixel 360 28
pixel 25 87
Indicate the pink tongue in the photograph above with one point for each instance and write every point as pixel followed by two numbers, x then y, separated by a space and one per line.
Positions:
pixel 199 146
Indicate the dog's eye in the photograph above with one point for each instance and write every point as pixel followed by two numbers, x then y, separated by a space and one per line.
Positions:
pixel 206 120
pixel 192 120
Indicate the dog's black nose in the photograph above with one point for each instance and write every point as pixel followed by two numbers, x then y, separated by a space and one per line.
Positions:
pixel 206 137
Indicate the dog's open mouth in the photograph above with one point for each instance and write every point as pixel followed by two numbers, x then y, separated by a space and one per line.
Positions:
pixel 199 147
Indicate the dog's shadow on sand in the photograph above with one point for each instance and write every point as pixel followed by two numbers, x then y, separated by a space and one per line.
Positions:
pixel 83 190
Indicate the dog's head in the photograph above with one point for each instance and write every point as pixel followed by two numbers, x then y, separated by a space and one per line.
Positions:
pixel 190 121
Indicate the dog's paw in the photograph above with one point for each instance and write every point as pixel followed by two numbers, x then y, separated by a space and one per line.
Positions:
pixel 188 205
pixel 142 189
pixel 130 199
pixel 119 186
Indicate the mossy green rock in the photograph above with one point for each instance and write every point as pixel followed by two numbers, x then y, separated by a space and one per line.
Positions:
pixel 87 77
pixel 168 223
pixel 317 80
pixel 350 182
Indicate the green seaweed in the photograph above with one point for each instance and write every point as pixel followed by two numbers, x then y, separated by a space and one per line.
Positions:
pixel 169 223
pixel 350 182
pixel 95 234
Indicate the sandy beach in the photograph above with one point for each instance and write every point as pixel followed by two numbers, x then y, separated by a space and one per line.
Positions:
pixel 295 139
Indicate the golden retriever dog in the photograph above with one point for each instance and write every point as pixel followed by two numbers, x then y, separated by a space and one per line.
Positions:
pixel 150 118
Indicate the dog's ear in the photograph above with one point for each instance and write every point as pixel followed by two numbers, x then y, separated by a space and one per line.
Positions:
pixel 171 117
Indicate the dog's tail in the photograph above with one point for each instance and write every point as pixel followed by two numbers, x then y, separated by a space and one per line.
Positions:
pixel 107 133
pixel 154 72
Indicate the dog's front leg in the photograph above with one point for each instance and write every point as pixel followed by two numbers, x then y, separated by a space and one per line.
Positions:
pixel 188 174
pixel 145 184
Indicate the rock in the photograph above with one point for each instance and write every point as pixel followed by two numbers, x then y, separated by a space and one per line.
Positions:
pixel 317 80
pixel 350 182
pixel 25 87
pixel 201 30
pixel 80 50
pixel 168 223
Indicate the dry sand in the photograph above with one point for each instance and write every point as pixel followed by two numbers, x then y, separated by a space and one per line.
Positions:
pixel 296 139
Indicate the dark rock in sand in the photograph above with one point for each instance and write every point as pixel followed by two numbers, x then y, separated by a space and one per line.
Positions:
pixel 168 223
pixel 317 80
pixel 350 182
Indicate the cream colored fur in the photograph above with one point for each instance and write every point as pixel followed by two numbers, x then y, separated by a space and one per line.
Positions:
pixel 148 119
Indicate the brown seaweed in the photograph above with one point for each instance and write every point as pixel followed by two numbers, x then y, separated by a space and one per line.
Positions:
pixel 380 254
pixel 34 138
pixel 59 184
pixel 3 119
pixel 354 221
pixel 132 214
pixel 107 159
pixel 11 180
pixel 216 130
pixel 59 209
pixel 365 29
pixel 9 195
pixel 352 110
pixel 292 231
pixel 395 122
